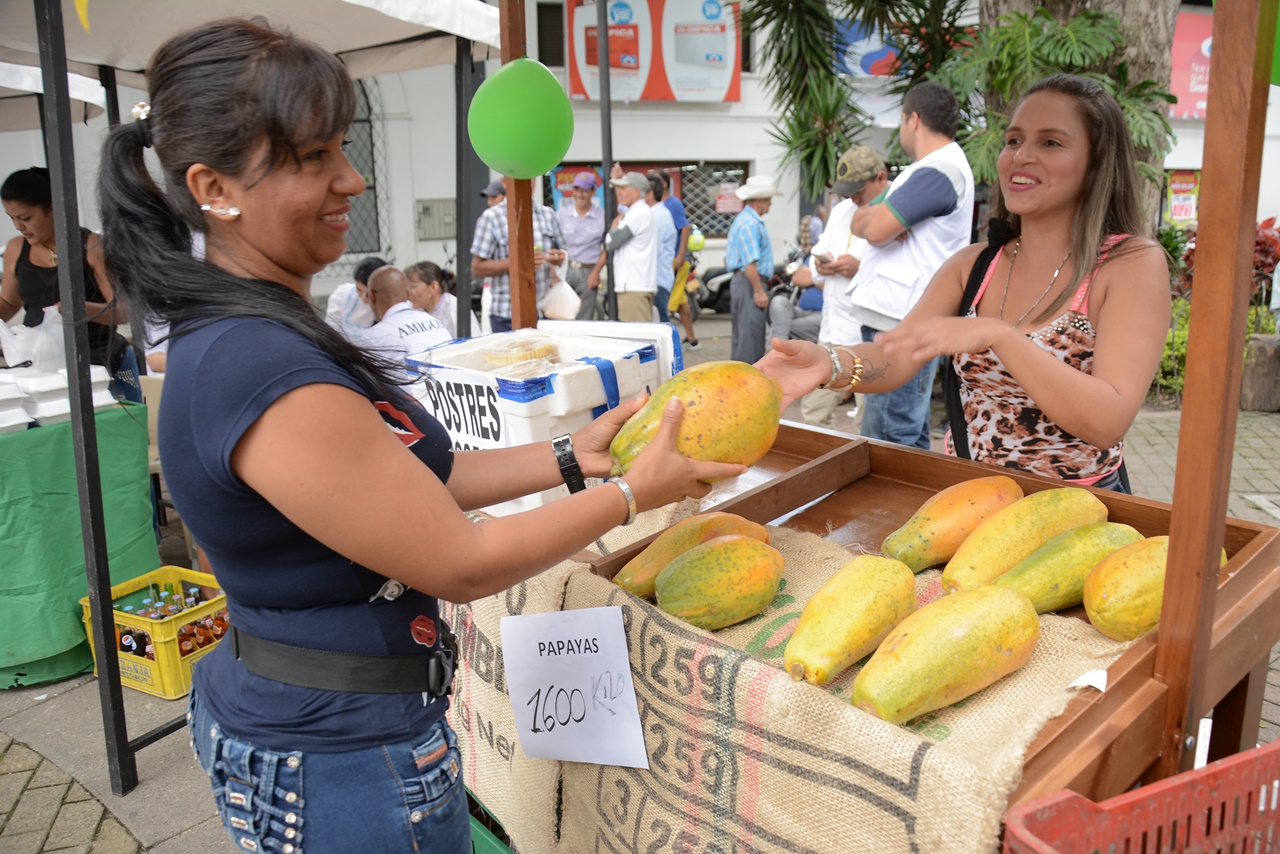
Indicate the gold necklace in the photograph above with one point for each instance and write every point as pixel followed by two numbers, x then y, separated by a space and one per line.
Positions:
pixel 53 253
pixel 1009 274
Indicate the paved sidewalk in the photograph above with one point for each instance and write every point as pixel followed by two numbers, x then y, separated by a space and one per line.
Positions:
pixel 55 793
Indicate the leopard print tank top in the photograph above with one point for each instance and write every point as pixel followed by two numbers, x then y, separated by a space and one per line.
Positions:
pixel 1006 428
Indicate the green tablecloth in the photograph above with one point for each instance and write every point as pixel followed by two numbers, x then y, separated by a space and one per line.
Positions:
pixel 42 572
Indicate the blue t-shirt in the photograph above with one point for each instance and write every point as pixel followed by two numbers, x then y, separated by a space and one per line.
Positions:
pixel 281 583
pixel 678 215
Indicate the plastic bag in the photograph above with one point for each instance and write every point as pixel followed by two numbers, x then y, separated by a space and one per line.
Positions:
pixel 41 345
pixel 561 302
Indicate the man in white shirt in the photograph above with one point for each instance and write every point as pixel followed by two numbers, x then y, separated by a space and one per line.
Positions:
pixel 668 239
pixel 635 260
pixel 924 218
pixel 348 308
pixel 401 330
pixel 834 261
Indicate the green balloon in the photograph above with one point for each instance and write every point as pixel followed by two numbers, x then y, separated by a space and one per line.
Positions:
pixel 521 122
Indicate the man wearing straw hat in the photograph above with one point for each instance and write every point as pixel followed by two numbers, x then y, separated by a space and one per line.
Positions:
pixel 749 257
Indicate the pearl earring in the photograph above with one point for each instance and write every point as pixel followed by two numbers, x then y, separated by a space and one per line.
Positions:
pixel 232 211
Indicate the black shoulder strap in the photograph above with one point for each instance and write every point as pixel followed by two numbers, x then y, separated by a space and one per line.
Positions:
pixel 999 235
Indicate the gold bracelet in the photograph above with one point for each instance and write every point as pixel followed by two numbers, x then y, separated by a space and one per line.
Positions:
pixel 856 367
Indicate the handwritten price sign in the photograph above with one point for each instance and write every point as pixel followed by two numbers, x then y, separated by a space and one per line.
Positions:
pixel 569 677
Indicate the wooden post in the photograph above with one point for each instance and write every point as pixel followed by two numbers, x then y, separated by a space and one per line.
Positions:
pixel 1237 109
pixel 524 299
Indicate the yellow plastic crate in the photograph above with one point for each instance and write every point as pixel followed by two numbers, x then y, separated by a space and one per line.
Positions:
pixel 169 674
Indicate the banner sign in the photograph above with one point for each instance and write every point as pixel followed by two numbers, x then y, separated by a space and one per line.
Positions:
pixel 659 50
pixel 1184 196
pixel 1192 45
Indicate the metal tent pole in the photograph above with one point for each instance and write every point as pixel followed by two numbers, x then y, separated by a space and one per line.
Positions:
pixel 606 144
pixel 472 177
pixel 121 763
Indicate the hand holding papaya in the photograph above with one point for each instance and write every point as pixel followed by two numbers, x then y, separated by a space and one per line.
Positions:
pixel 591 443
pixel 661 475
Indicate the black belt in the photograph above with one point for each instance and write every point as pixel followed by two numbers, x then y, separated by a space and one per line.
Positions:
pixel 349 671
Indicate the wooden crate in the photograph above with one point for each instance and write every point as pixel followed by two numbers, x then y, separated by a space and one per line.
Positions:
pixel 856 491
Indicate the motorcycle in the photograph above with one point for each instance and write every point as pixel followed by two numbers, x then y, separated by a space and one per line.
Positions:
pixel 714 294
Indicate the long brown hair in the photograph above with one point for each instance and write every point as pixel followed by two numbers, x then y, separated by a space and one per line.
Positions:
pixel 1111 202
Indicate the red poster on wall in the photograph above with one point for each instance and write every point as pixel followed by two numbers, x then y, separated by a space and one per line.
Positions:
pixel 659 50
pixel 1192 45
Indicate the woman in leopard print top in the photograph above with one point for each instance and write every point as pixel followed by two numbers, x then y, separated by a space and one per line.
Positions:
pixel 1055 362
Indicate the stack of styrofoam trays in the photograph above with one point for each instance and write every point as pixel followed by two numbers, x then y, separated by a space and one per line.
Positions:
pixel 13 418
pixel 99 387
pixel 44 394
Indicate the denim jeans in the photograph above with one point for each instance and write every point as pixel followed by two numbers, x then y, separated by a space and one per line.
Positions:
pixel 902 415
pixel 660 299
pixel 392 798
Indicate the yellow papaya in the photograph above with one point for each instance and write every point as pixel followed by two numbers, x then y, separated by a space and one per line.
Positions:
pixel 638 576
pixel 948 650
pixel 720 582
pixel 942 523
pixel 731 415
pixel 848 617
pixel 1053 576
pixel 1125 591
pixel 1012 533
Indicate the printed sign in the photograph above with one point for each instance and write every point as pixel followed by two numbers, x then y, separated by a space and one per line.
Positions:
pixel 1184 196
pixel 1192 46
pixel 569 679
pixel 466 403
pixel 727 200
pixel 659 50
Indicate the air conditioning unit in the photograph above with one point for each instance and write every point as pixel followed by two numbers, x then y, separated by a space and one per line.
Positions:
pixel 437 219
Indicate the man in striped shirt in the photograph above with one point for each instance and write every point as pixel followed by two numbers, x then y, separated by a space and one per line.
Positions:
pixel 490 257
pixel 749 257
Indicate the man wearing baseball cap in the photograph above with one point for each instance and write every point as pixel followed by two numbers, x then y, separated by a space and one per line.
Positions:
pixel 749 256
pixel 494 193
pixel 834 261
pixel 635 258
pixel 583 225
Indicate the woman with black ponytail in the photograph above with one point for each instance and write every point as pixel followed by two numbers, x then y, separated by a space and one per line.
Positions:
pixel 30 282
pixel 329 503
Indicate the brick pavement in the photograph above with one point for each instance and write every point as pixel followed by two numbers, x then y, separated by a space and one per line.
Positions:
pixel 45 809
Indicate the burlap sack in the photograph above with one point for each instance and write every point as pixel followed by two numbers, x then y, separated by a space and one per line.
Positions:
pixel 743 758
pixel 519 791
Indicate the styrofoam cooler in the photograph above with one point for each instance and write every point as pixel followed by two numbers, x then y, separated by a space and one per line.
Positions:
pixel 569 380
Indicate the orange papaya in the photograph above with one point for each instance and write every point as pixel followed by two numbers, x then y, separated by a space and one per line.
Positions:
pixel 1124 593
pixel 639 574
pixel 935 532
pixel 720 582
pixel 731 415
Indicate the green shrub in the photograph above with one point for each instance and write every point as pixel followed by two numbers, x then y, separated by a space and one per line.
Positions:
pixel 1169 379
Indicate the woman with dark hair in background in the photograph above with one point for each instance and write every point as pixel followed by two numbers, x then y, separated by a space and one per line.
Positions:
pixel 1054 363
pixel 30 282
pixel 330 504
pixel 429 292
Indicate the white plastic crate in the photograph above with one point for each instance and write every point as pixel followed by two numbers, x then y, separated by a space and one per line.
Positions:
pixel 571 380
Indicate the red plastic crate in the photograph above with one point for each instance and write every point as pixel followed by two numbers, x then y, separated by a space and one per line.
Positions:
pixel 1228 806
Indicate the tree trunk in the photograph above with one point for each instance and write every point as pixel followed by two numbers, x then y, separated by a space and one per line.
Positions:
pixel 1147 26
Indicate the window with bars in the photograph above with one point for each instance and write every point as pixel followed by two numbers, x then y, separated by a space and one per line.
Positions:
pixel 700 185
pixel 365 141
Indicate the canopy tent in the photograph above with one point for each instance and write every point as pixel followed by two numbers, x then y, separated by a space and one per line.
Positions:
pixel 20 90
pixel 371 36
pixel 113 41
